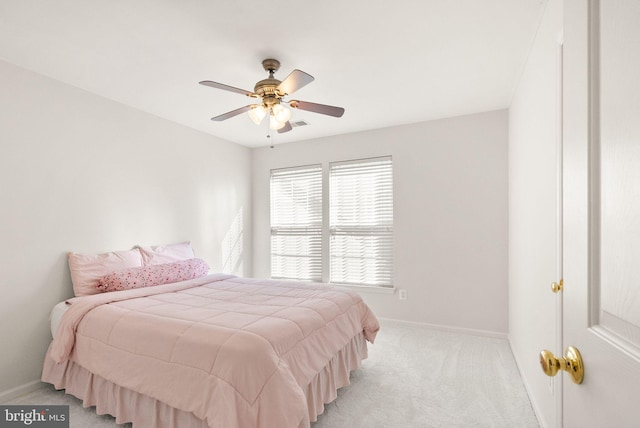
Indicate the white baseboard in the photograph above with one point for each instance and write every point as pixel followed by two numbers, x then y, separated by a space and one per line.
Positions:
pixel 450 329
pixel 19 391
pixel 534 404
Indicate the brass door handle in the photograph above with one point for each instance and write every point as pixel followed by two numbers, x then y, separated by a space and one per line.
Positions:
pixel 571 363
pixel 557 286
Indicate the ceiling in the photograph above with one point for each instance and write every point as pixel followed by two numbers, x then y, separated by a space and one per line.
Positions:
pixel 387 63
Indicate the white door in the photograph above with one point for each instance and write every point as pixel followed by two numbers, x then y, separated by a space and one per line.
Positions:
pixel 602 210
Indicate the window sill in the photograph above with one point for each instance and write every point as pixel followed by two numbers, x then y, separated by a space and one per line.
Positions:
pixel 373 289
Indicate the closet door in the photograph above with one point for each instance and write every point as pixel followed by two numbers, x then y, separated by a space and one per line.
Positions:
pixel 602 210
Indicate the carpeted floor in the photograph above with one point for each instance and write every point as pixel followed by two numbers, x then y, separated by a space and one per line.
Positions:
pixel 422 378
pixel 414 378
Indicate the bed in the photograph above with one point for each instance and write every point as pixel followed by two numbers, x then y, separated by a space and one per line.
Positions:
pixel 211 351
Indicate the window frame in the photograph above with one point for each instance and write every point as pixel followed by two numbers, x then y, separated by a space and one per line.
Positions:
pixel 352 224
pixel 312 228
pixel 326 229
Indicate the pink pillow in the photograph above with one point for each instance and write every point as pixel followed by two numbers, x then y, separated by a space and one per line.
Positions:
pixel 87 269
pixel 161 254
pixel 148 276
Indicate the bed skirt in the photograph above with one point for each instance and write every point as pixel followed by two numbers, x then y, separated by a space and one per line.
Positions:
pixel 143 411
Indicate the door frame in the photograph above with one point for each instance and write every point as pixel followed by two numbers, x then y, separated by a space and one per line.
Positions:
pixel 559 345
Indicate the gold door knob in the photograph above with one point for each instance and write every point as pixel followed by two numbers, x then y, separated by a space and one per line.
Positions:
pixel 557 286
pixel 571 363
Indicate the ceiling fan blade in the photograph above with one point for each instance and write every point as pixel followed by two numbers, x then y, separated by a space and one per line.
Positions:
pixel 227 88
pixel 232 113
pixel 294 81
pixel 286 128
pixel 317 108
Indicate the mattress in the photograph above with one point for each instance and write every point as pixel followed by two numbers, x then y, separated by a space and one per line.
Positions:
pixel 56 315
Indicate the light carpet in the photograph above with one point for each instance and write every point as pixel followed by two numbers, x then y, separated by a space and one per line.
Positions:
pixel 414 378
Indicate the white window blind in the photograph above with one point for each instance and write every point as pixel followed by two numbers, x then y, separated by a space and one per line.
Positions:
pixel 361 222
pixel 296 223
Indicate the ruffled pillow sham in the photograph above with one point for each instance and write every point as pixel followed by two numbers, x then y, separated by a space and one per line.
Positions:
pixel 148 276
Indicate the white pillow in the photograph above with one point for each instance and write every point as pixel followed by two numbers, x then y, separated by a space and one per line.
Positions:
pixel 161 254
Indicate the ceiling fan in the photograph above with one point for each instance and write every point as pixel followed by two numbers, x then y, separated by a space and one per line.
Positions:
pixel 272 92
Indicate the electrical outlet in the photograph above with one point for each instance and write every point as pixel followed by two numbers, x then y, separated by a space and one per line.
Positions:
pixel 402 294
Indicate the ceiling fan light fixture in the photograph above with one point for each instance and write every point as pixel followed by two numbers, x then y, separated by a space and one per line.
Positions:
pixel 281 113
pixel 257 113
pixel 274 124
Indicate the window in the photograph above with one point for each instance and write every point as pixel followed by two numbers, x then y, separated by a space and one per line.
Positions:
pixel 361 222
pixel 358 223
pixel 296 223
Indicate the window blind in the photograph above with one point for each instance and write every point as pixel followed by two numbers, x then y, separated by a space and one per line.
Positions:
pixel 296 223
pixel 361 222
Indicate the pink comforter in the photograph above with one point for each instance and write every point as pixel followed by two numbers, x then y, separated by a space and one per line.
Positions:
pixel 234 352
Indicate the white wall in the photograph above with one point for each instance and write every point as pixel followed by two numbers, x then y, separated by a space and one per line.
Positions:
pixel 450 214
pixel 533 256
pixel 82 173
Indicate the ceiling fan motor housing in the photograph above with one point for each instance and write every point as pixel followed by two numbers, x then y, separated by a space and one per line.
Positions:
pixel 267 89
